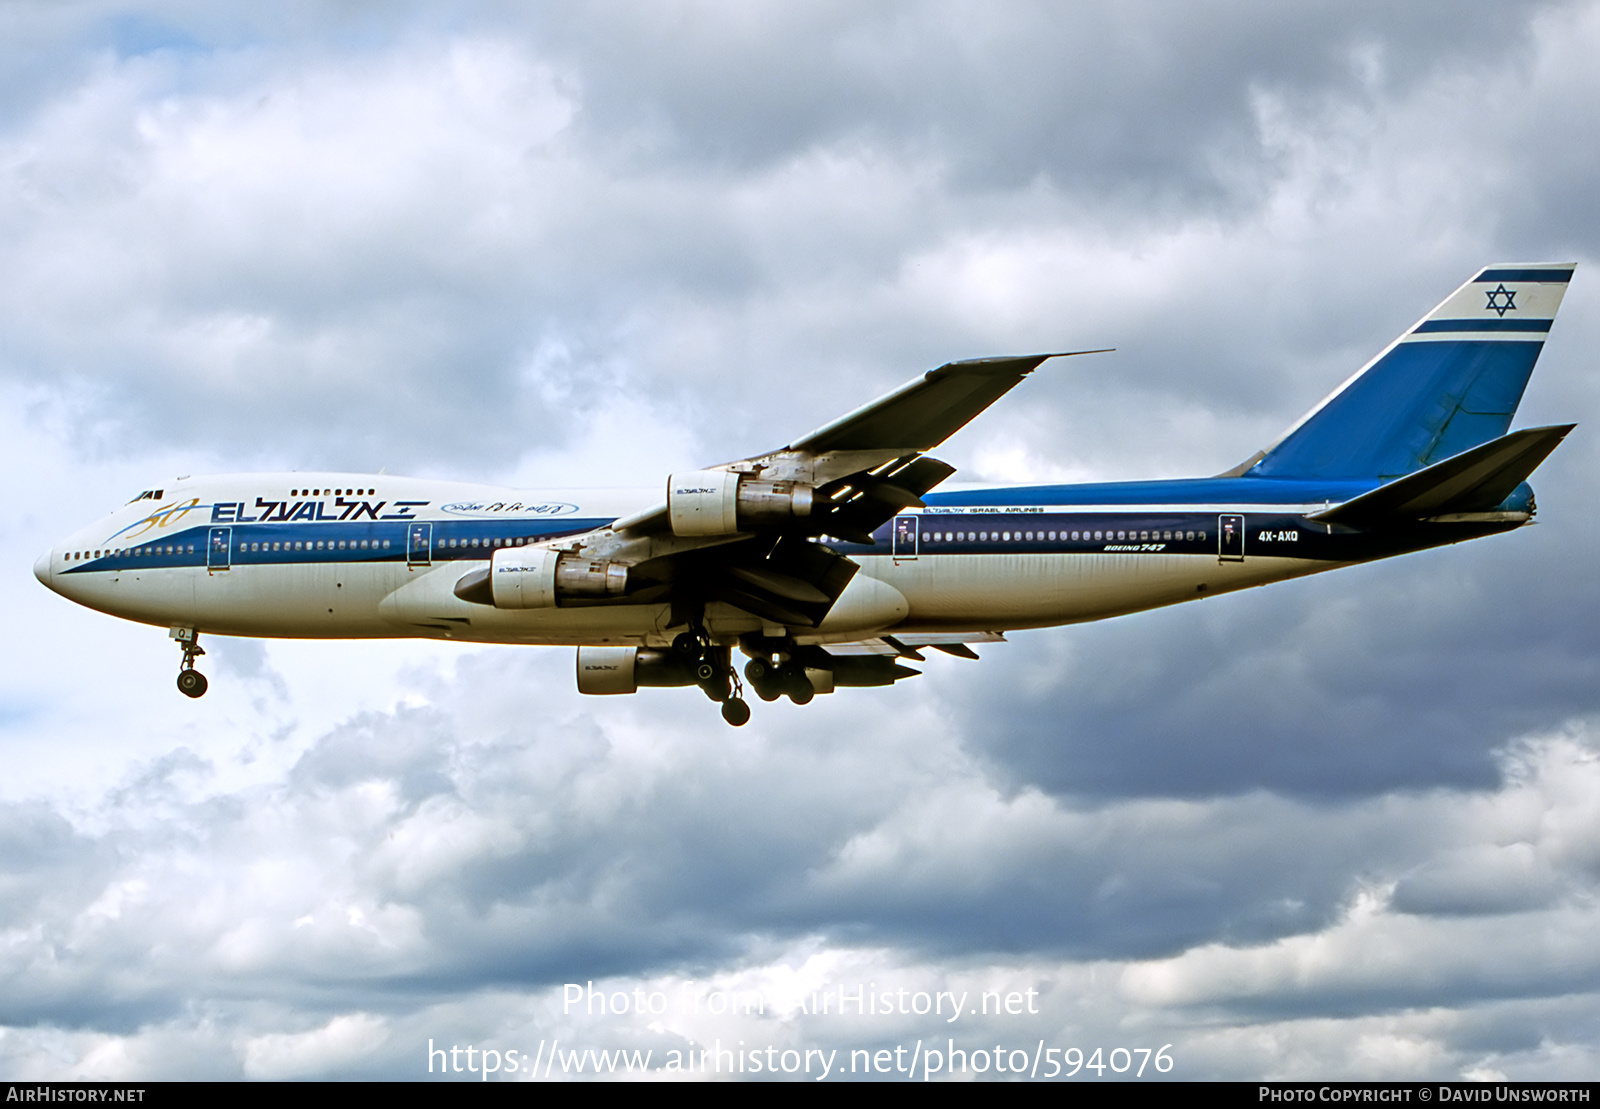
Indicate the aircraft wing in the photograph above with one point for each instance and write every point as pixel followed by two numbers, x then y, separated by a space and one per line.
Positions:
pixel 925 412
pixel 913 419
pixel 874 454
pixel 742 533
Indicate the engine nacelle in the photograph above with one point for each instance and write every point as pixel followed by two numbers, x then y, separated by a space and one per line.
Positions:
pixel 603 670
pixel 716 502
pixel 522 577
pixel 536 577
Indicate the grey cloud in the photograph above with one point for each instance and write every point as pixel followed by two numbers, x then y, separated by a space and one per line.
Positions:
pixel 45 861
pixel 1154 98
pixel 1494 880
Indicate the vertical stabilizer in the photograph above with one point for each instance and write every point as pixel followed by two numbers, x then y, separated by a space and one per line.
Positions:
pixel 1449 384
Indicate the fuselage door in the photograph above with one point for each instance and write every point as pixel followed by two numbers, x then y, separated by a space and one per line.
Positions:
pixel 419 545
pixel 1230 538
pixel 905 536
pixel 219 549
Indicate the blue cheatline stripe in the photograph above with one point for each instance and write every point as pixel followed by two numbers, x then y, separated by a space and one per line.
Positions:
pixel 1559 276
pixel 189 545
pixel 1484 325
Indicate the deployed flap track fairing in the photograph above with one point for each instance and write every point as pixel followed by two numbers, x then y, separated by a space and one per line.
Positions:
pixel 838 559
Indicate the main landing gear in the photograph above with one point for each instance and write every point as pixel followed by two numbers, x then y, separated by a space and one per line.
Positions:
pixel 191 683
pixel 713 672
pixel 771 681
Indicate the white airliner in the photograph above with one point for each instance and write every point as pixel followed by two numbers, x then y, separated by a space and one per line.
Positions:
pixel 830 560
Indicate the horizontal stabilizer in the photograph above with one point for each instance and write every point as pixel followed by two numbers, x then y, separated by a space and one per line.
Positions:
pixel 1474 481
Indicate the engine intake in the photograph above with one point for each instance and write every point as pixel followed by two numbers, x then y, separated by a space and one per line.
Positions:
pixel 536 577
pixel 716 502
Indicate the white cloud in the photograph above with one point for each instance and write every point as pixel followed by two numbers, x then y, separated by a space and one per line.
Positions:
pixel 343 1040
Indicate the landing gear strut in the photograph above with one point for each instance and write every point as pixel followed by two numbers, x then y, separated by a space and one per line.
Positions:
pixel 191 683
pixel 713 672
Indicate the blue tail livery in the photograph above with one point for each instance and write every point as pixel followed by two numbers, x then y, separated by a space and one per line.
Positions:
pixel 1449 384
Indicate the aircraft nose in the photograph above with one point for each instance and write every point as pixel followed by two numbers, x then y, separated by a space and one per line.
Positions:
pixel 41 568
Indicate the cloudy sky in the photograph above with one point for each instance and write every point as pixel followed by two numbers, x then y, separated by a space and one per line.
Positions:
pixel 1343 827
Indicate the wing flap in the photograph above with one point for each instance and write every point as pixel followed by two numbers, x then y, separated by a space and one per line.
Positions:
pixel 859 504
pixel 955 643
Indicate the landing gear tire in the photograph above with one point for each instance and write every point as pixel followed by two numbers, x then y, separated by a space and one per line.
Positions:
pixel 758 670
pixel 191 683
pixel 736 712
pixel 796 684
pixel 719 688
pixel 763 679
pixel 688 647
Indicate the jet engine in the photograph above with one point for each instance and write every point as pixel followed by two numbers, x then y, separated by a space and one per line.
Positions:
pixel 716 502
pixel 625 669
pixel 536 577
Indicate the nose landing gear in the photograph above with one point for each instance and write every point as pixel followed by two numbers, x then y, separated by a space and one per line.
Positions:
pixel 191 683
